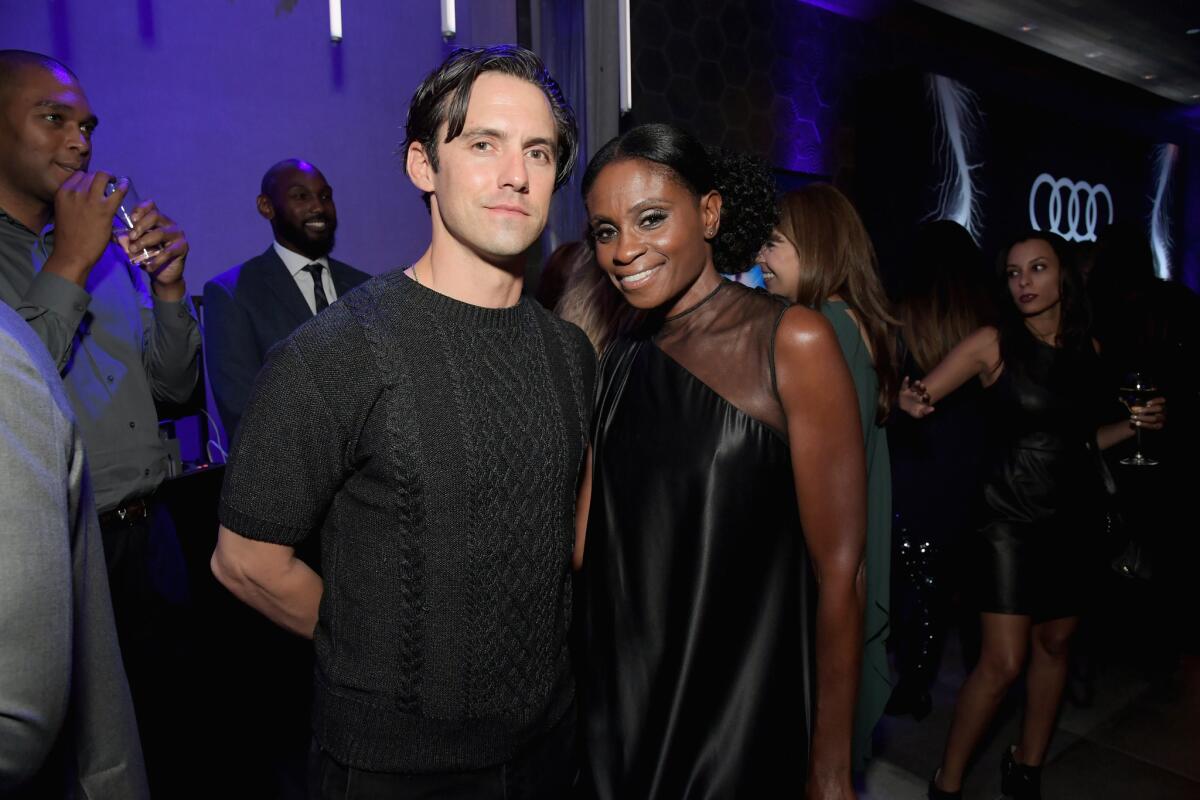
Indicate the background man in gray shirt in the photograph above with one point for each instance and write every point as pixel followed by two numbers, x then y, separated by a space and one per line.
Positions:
pixel 121 336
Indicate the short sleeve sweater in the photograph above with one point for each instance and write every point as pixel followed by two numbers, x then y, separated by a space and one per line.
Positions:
pixel 436 446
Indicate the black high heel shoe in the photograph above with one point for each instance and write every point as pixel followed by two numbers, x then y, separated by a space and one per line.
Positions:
pixel 940 794
pixel 1019 781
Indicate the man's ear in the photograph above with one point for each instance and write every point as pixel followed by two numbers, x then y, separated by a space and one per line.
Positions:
pixel 265 208
pixel 420 169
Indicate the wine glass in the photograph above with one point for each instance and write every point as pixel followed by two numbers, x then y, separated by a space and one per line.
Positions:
pixel 123 220
pixel 1136 390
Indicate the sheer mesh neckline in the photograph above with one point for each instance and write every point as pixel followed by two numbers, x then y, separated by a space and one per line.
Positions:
pixel 702 301
pixel 726 341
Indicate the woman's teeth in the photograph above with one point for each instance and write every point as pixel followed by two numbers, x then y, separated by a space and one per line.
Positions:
pixel 638 278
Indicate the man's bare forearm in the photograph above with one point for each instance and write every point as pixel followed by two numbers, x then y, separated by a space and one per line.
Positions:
pixel 282 588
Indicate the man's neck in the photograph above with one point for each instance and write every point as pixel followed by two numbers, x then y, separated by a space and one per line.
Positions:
pixel 33 214
pixel 468 278
pixel 300 254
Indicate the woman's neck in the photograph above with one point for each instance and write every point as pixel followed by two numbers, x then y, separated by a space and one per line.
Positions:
pixel 1045 325
pixel 700 290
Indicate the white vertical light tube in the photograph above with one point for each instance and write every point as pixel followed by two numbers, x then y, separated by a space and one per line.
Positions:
pixel 449 24
pixel 626 70
pixel 335 20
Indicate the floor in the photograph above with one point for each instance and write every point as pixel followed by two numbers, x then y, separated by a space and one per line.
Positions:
pixel 1138 737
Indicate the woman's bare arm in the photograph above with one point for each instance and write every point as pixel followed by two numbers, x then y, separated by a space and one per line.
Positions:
pixel 978 355
pixel 826 443
pixel 582 504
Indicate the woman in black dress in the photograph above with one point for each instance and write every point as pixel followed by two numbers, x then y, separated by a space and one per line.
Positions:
pixel 1042 498
pixel 727 439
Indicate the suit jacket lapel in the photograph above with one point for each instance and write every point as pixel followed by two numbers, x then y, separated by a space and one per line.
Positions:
pixel 281 282
pixel 341 277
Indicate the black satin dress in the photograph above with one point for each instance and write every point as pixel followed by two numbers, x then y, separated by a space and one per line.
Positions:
pixel 694 675
pixel 1043 496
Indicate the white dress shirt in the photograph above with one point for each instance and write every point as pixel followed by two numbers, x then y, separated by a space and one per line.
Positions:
pixel 296 263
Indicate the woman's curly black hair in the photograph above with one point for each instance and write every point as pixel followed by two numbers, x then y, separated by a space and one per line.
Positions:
pixel 747 189
pixel 749 209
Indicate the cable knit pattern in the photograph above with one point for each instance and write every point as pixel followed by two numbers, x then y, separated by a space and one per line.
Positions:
pixel 436 446
pixel 516 620
pixel 405 503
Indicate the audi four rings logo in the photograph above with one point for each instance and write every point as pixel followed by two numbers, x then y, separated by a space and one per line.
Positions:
pixel 1082 201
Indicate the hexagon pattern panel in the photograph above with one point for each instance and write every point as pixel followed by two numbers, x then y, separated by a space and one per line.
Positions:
pixel 765 76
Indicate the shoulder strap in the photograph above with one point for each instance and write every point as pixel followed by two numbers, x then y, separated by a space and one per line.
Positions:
pixel 786 304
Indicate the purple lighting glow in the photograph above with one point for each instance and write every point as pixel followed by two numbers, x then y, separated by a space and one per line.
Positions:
pixel 855 9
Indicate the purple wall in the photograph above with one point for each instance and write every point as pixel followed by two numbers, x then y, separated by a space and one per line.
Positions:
pixel 197 99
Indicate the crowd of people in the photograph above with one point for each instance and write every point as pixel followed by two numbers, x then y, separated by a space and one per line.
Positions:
pixel 649 535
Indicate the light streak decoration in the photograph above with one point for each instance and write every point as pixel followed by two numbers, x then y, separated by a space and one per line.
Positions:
pixel 957 116
pixel 1165 158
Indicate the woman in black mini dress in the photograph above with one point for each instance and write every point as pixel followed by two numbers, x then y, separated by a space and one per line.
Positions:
pixel 1041 500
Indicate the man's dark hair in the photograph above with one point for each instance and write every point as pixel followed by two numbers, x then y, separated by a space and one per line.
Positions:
pixel 445 92
pixel 14 62
pixel 745 183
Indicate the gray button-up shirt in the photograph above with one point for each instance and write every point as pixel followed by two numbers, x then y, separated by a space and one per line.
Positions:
pixel 117 349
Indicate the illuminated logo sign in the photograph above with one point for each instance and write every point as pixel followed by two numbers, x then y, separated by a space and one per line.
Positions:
pixel 1082 200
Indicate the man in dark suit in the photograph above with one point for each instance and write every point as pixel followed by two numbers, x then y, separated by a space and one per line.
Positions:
pixel 248 308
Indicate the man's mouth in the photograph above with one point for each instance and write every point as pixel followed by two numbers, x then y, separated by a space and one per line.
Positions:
pixel 506 208
pixel 318 225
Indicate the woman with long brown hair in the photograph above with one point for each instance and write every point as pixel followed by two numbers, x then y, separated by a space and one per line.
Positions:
pixel 937 464
pixel 820 255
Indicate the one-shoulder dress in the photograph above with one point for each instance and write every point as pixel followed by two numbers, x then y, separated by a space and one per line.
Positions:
pixel 695 676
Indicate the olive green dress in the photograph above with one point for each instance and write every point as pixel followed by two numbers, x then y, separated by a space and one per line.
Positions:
pixel 876 683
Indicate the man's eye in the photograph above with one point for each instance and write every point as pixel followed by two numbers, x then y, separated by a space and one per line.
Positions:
pixel 52 117
pixel 540 155
pixel 481 146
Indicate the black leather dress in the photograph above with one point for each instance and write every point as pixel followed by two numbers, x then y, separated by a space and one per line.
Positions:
pixel 1040 540
pixel 694 675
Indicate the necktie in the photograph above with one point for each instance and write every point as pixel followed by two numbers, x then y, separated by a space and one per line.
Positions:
pixel 318 286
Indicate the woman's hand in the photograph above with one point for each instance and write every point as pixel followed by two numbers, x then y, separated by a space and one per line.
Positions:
pixel 1150 417
pixel 914 398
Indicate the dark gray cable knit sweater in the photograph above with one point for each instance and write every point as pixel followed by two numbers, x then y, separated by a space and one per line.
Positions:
pixel 437 448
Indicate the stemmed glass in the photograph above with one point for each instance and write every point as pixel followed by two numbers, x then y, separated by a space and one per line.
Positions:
pixel 1136 390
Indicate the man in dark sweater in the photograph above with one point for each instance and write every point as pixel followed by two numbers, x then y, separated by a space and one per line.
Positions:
pixel 432 427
